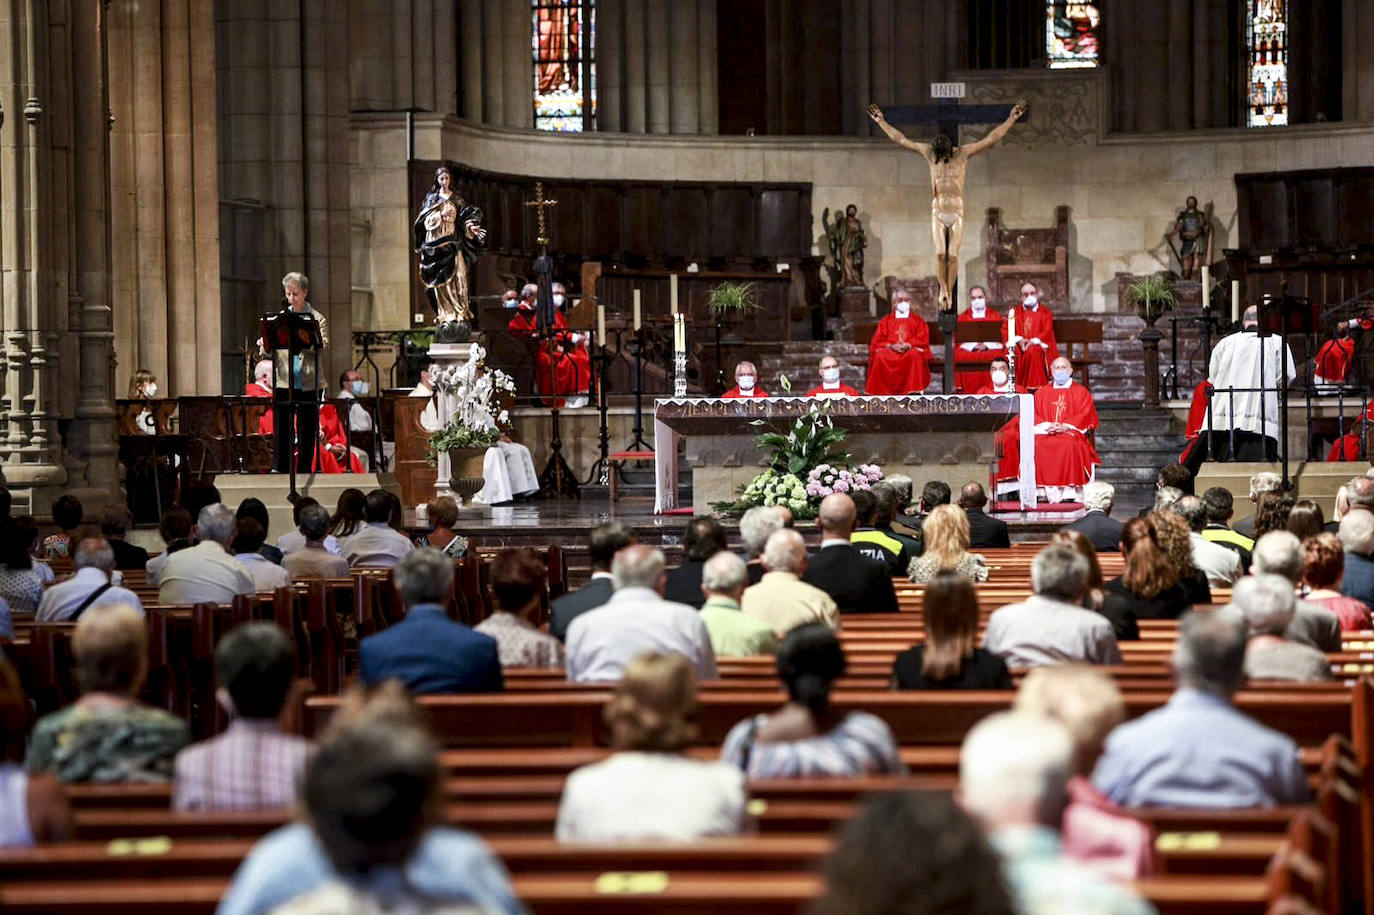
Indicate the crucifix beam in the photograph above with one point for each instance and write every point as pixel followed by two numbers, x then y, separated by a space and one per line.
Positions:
pixel 947 115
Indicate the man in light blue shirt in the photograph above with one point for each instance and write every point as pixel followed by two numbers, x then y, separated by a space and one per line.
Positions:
pixel 1198 751
pixel 89 587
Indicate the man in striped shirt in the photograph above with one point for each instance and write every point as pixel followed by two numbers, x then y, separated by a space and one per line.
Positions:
pixel 252 765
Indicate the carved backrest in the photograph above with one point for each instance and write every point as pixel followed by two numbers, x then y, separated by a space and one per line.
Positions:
pixel 924 292
pixel 1015 256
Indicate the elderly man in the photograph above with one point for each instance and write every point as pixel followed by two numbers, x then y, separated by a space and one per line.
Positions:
pixel 427 651
pixel 314 558
pixel 1064 415
pixel 636 619
pixel 1260 483
pixel 1029 331
pixel 1014 772
pixel 973 357
pixel 207 572
pixel 1097 524
pixel 1221 566
pixel 733 634
pixel 985 531
pixel 377 543
pixel 564 367
pixel 1198 750
pixel 1357 539
pixel 702 539
pixel 1268 605
pixel 295 538
pixel 65 601
pixel 1280 553
pixel 755 527
pixel 607 539
pixel 1220 505
pixel 858 584
pixel 781 599
pixel 261 385
pixel 1052 627
pixel 746 383
pixel 1245 374
pixel 830 385
pixel 899 351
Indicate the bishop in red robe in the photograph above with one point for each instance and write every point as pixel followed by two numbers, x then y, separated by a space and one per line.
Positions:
pixel 1064 414
pixel 261 385
pixel 972 358
pixel 1009 436
pixel 1034 338
pixel 563 367
pixel 899 351
pixel 830 385
pixel 746 383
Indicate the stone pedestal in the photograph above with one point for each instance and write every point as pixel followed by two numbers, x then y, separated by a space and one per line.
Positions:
pixel 445 356
pixel 855 302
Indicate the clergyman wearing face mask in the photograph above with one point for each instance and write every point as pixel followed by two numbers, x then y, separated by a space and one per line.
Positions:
pixel 746 383
pixel 830 385
pixel 1030 328
pixel 972 357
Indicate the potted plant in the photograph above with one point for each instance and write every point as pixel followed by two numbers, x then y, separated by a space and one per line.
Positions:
pixel 731 301
pixel 1152 295
pixel 470 395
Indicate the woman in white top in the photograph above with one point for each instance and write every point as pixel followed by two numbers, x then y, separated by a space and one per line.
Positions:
pixel 143 386
pixel 650 790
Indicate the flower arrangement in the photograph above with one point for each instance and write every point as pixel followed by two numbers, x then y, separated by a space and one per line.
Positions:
pixel 774 488
pixel 828 479
pixel 473 394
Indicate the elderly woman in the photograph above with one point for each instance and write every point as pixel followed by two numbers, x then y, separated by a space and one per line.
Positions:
pixel 443 515
pixel 1095 831
pixel 806 738
pixel 108 735
pixel 946 534
pixel 755 527
pixel 649 789
pixel 519 581
pixel 21 584
pixel 1322 571
pixel 1268 604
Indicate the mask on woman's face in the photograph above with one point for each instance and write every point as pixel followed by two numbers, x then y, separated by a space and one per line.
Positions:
pixel 999 377
pixel 746 382
pixel 150 389
pixel 1062 376
pixel 830 376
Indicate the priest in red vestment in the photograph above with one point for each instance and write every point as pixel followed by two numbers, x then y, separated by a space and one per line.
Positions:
pixel 1032 336
pixel 746 383
pixel 972 359
pixel 899 351
pixel 830 385
pixel 1333 361
pixel 563 365
pixel 333 448
pixel 261 385
pixel 1064 414
pixel 1347 447
pixel 1009 436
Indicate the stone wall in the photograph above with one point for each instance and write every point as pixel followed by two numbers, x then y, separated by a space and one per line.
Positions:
pixel 1123 190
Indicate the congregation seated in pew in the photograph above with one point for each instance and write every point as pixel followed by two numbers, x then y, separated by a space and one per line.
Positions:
pixel 605 540
pixel 1268 605
pixel 873 543
pixel 21 584
pixel 1280 553
pixel 175 528
pixel 1095 598
pixel 249 540
pixel 206 572
pixel 376 542
pixel 856 583
pixel 781 598
pixel 1322 571
pixel 1052 627
pixel 1149 587
pixel 90 586
pixel 950 657
pixel 945 535
pixel 295 538
pixel 755 527
pixel 702 538
pixel 33 809
pixel 733 634
pixel 313 558
pixel 519 584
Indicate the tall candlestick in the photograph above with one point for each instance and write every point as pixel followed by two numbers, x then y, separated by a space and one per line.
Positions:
pixel 600 324
pixel 1011 327
pixel 1206 287
pixel 636 309
pixel 1235 301
pixel 672 292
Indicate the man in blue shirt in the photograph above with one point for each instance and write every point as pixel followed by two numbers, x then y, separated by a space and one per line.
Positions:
pixel 1197 750
pixel 427 651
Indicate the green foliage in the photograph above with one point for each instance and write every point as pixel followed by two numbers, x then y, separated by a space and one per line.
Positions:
pixel 455 435
pixel 813 440
pixel 1152 295
pixel 729 297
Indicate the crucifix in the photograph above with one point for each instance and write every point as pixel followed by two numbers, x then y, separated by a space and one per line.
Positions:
pixel 948 163
pixel 543 264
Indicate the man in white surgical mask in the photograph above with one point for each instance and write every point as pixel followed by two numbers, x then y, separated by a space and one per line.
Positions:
pixel 830 385
pixel 1064 414
pixel 560 297
pixel 746 383
pixel 1030 329
pixel 1009 436
pixel 899 352
pixel 972 357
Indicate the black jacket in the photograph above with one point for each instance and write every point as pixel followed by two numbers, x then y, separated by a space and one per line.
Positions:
pixel 985 530
pixel 684 584
pixel 567 608
pixel 127 555
pixel 857 584
pixel 1102 531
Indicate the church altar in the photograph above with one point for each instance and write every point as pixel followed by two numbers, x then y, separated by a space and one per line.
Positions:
pixel 947 437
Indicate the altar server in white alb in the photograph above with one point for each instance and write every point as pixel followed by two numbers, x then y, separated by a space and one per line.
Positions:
pixel 1242 364
pixel 507 467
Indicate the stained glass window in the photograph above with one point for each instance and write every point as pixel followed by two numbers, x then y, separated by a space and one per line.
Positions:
pixel 564 45
pixel 1071 34
pixel 1267 43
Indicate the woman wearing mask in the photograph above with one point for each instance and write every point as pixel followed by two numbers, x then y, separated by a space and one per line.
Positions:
pixel 143 386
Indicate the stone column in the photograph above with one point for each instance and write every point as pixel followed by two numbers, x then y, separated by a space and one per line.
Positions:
pixel 610 64
pixel 708 96
pixel 636 71
pixel 660 88
pixel 683 110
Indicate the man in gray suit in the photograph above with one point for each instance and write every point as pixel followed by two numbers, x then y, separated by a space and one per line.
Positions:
pixel 607 540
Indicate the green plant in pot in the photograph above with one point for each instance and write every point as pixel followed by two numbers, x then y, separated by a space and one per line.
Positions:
pixel 730 301
pixel 1152 296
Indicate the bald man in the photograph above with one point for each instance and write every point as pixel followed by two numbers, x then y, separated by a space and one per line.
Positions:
pixel 856 583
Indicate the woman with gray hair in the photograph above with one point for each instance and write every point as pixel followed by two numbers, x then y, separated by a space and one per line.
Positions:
pixel 755 527
pixel 1268 605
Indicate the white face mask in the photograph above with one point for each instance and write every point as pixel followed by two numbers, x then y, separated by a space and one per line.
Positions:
pixel 830 376
pixel 1031 300
pixel 999 377
pixel 1062 376
pixel 150 389
pixel 978 306
pixel 745 382
pixel 902 308
pixel 361 388
pixel 558 300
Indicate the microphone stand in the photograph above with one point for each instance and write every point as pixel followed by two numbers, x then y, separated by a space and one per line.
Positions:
pixel 601 470
pixel 637 443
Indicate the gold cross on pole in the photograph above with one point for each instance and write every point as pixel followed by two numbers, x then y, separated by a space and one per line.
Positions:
pixel 539 202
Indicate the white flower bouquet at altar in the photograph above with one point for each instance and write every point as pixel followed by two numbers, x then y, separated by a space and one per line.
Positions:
pixel 774 488
pixel 470 394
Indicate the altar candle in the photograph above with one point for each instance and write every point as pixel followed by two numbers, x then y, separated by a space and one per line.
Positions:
pixel 636 309
pixel 1206 287
pixel 680 343
pixel 1011 326
pixel 1235 301
pixel 601 323
pixel 672 292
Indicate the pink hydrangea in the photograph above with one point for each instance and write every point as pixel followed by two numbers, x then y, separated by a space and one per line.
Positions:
pixel 841 486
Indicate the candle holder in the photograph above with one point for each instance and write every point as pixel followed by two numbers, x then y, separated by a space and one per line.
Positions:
pixel 638 443
pixel 601 471
pixel 680 374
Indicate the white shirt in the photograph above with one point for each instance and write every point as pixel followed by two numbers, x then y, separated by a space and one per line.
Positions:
pixel 60 601
pixel 294 540
pixel 1220 565
pixel 377 544
pixel 634 796
pixel 204 573
pixel 635 620
pixel 266 574
pixel 359 420
pixel 1243 360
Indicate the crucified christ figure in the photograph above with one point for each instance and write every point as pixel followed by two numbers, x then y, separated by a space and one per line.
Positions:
pixel 948 168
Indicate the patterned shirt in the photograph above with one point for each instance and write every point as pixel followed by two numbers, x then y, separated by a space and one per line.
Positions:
pixel 22 589
pixel 861 744
pixel 251 766
pixel 519 644
pixel 55 546
pixel 84 744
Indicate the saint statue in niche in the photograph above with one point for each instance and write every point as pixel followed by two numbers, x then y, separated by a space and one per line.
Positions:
pixel 447 235
pixel 948 169
pixel 1193 227
pixel 847 243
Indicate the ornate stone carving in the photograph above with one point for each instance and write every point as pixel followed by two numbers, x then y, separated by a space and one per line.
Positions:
pixel 1064 109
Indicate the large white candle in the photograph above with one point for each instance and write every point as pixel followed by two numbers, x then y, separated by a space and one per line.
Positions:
pixel 636 309
pixel 1235 301
pixel 1206 287
pixel 672 292
pixel 600 323
pixel 1011 326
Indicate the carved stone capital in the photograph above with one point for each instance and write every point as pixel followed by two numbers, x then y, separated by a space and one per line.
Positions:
pixel 32 110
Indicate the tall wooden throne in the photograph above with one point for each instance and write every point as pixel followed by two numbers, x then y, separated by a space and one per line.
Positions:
pixel 1040 256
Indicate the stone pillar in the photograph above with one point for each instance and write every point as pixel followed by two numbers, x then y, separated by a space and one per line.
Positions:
pixel 708 95
pixel 660 88
pixel 636 71
pixel 517 58
pixel 683 110
pixel 610 65
pixel 474 66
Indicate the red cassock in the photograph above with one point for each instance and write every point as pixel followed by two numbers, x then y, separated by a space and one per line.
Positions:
pixel 1033 361
pixel 565 370
pixel 1065 459
pixel 891 372
pixel 324 460
pixel 1347 447
pixel 819 391
pixel 253 389
pixel 971 367
pixel 735 393
pixel 1197 415
pixel 1008 440
pixel 1334 358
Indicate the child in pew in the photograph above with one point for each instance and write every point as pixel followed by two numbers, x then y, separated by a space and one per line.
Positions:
pixel 252 765
pixel 32 807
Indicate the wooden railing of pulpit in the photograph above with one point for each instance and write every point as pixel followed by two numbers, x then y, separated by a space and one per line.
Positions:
pixel 415 474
